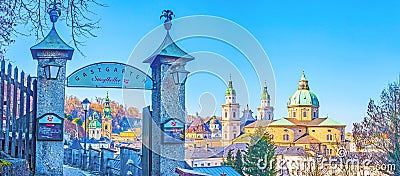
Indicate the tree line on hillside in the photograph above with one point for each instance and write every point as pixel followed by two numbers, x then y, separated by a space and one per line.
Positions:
pixel 124 118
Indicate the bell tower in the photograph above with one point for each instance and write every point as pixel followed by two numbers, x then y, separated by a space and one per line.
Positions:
pixel 265 111
pixel 106 120
pixel 230 116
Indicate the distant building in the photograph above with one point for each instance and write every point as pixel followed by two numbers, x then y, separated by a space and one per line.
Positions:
pixel 210 156
pixel 106 120
pixel 246 119
pixel 94 127
pixel 265 111
pixel 303 126
pixel 230 116
pixel 198 130
pixel 215 127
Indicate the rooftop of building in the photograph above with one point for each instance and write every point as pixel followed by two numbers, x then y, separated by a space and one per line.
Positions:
pixel 317 122
pixel 217 170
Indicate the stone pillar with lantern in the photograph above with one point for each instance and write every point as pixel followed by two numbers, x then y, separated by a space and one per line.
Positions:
pixel 52 54
pixel 166 139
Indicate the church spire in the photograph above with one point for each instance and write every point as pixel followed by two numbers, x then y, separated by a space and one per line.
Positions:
pixel 230 90
pixel 230 82
pixel 265 95
pixel 303 83
pixel 107 109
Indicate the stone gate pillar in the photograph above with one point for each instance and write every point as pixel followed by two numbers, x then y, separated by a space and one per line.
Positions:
pixel 166 145
pixel 52 54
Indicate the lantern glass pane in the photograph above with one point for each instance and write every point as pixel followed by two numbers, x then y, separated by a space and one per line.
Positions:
pixel 176 77
pixel 54 71
pixel 85 106
pixel 182 76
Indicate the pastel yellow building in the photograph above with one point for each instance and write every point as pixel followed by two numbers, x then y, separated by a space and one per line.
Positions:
pixel 303 126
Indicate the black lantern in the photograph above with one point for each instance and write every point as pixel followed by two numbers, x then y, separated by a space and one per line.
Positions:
pixel 85 104
pixel 180 74
pixel 52 69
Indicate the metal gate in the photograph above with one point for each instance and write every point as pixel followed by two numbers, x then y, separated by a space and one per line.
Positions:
pixel 18 125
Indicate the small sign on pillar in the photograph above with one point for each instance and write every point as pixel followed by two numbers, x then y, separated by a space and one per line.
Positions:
pixel 50 127
pixel 173 131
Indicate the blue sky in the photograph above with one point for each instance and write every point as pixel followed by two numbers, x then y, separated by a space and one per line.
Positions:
pixel 349 50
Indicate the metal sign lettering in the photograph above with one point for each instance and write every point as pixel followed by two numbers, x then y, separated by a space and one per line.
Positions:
pixel 110 75
pixel 173 131
pixel 50 127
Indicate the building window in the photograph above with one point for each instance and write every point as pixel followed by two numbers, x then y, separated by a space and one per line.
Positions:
pixel 106 127
pixel 234 114
pixel 329 130
pixel 226 114
pixel 304 113
pixel 202 164
pixel 234 135
pixel 286 130
pixel 208 164
pixel 226 136
pixel 195 165
pixel 294 113
pixel 329 151
pixel 313 131
pixel 286 137
pixel 299 131
pixel 315 114
pixel 329 137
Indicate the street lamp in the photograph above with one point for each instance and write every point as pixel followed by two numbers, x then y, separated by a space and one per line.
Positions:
pixel 85 107
pixel 179 73
pixel 51 70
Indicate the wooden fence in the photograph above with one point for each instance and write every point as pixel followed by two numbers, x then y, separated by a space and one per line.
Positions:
pixel 18 112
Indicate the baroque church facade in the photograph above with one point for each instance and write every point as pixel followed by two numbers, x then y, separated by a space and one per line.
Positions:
pixel 97 129
pixel 303 126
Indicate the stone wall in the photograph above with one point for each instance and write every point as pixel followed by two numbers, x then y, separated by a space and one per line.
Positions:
pixel 18 167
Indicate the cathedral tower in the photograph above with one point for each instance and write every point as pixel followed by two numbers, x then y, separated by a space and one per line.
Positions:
pixel 106 120
pixel 230 116
pixel 303 105
pixel 265 111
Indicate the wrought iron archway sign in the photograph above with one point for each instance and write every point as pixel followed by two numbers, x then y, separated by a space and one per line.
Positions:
pixel 110 75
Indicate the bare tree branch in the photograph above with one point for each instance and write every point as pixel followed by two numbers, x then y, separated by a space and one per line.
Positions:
pixel 32 14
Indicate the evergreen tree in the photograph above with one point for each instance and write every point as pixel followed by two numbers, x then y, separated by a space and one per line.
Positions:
pixel 238 163
pixel 68 117
pixel 259 159
pixel 229 159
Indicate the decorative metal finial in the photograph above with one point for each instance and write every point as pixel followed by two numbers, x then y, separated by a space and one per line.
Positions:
pixel 167 14
pixel 54 11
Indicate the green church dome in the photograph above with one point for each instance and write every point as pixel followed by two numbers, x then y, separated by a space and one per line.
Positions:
pixel 303 96
pixel 265 95
pixel 230 90
pixel 94 124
